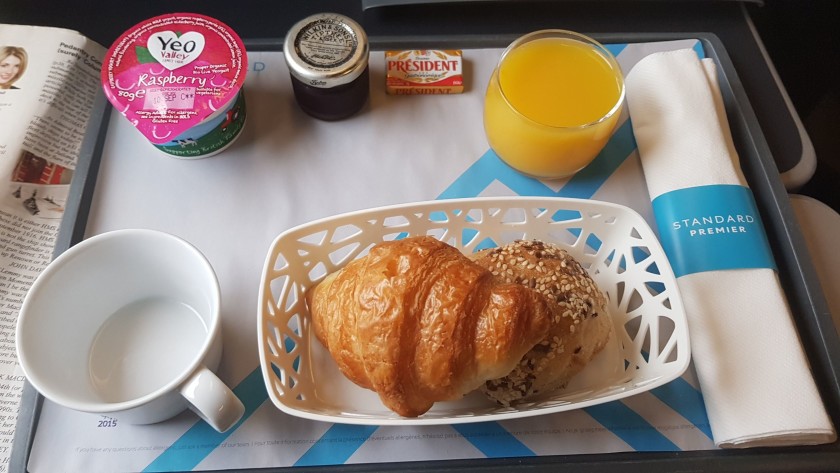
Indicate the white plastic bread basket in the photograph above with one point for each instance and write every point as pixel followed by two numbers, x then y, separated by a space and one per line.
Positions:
pixel 650 346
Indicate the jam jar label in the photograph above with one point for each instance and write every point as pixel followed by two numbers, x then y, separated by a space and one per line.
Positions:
pixel 173 72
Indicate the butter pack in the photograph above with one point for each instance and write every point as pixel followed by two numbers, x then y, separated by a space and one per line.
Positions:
pixel 424 72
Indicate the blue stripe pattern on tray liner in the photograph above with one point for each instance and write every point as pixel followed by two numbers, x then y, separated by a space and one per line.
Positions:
pixel 630 427
pixel 336 445
pixel 490 438
pixel 493 440
pixel 583 185
pixel 686 401
pixel 615 49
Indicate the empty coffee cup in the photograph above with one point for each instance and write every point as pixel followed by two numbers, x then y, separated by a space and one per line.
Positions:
pixel 127 324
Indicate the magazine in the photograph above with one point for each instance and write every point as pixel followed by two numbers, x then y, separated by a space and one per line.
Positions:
pixel 49 82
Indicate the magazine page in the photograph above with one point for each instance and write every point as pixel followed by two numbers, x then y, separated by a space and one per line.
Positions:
pixel 49 78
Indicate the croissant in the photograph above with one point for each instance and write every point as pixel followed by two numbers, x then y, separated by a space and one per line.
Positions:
pixel 417 322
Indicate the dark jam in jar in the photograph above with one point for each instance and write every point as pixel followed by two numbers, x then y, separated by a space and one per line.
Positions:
pixel 327 55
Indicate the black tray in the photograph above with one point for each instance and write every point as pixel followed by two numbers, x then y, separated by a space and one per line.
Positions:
pixel 799 280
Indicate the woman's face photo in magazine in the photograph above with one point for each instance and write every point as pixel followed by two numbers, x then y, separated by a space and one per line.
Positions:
pixel 12 65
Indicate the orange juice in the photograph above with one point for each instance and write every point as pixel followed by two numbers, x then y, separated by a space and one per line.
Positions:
pixel 552 103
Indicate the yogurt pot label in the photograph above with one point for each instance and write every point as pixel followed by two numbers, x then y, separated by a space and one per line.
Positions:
pixel 173 74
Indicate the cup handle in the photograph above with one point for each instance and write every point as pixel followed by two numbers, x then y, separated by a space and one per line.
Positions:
pixel 212 399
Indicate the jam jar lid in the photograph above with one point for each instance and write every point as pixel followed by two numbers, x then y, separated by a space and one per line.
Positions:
pixel 326 50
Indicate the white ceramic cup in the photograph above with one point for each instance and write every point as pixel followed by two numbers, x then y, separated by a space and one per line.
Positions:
pixel 126 324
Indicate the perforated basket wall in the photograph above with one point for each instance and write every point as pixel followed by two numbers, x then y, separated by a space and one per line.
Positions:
pixel 613 242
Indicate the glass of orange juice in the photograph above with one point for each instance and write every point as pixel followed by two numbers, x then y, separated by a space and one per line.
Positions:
pixel 552 103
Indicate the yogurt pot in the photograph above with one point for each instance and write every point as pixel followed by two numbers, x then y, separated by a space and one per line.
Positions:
pixel 178 79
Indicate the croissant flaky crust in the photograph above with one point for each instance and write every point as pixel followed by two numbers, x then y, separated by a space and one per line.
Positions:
pixel 417 322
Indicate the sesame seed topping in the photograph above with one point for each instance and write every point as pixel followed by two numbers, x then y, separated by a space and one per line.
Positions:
pixel 572 296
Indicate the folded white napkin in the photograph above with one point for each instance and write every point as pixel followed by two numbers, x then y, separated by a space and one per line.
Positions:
pixel 755 379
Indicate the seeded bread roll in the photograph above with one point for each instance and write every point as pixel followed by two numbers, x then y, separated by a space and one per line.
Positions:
pixel 580 325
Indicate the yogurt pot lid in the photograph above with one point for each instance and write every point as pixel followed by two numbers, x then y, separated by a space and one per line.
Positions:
pixel 169 73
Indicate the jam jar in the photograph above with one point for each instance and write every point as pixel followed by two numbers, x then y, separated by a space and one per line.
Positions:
pixel 327 55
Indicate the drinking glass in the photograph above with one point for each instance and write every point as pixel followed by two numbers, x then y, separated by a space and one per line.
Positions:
pixel 552 103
